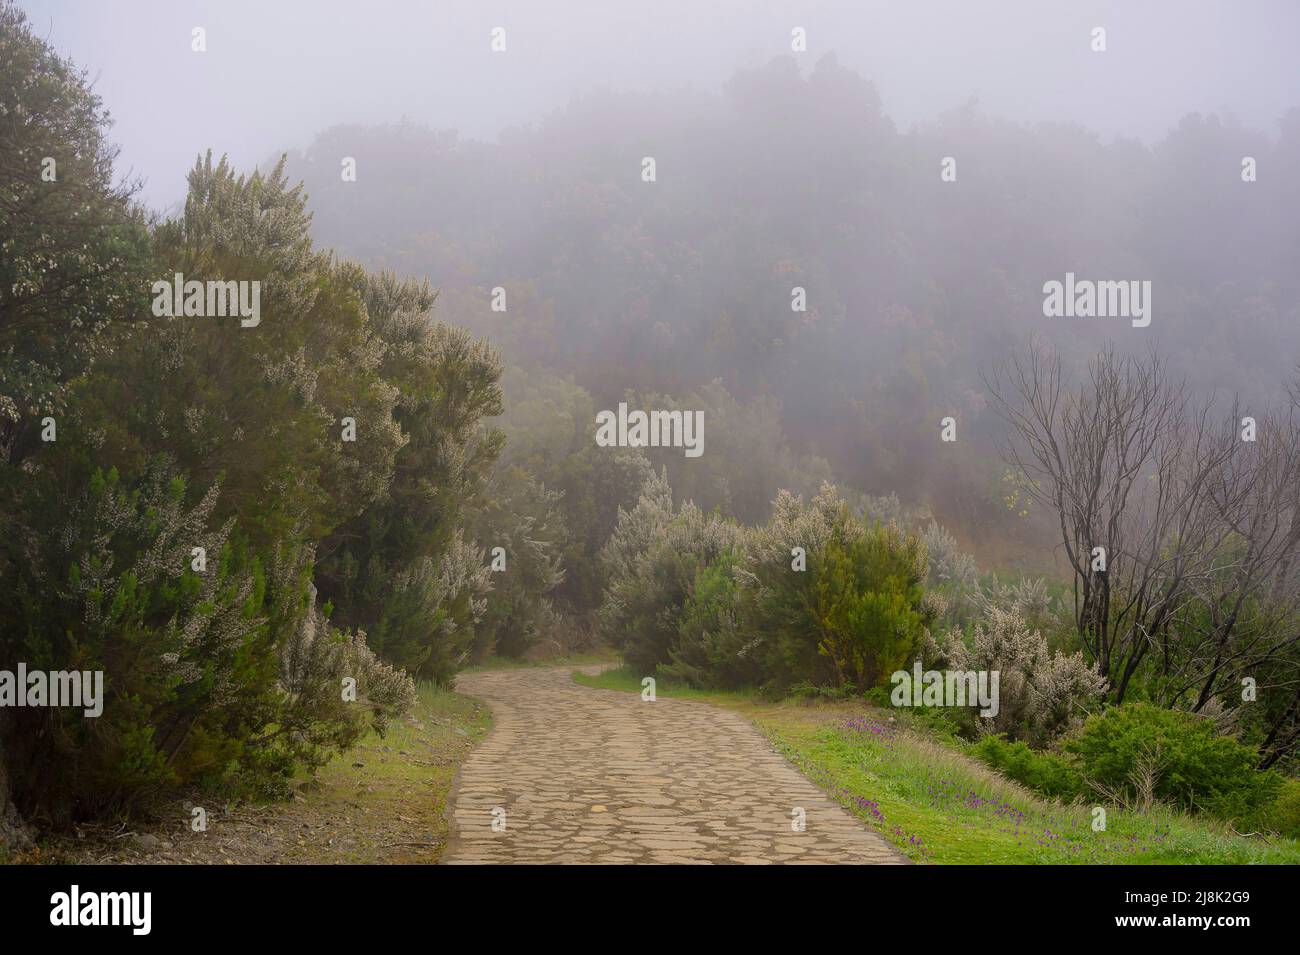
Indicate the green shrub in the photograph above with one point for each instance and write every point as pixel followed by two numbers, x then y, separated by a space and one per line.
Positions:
pixel 1284 815
pixel 1051 774
pixel 1281 815
pixel 654 559
pixel 522 516
pixel 1191 765
pixel 779 610
pixel 867 604
pixel 712 649
pixel 217 678
pixel 853 614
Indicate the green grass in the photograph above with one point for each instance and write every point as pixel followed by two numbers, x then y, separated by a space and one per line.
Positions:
pixel 621 678
pixel 939 805
pixel 572 659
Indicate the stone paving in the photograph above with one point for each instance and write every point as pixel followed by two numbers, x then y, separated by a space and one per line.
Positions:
pixel 580 775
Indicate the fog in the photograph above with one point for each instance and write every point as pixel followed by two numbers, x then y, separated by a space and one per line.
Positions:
pixel 274 74
pixel 782 347
pixel 518 173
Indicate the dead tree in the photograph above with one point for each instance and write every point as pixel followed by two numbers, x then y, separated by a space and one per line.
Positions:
pixel 1182 537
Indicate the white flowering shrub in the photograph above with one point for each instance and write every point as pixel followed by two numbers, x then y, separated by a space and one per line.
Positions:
pixel 207 472
pixel 434 607
pixel 848 609
pixel 952 575
pixel 812 596
pixel 403 567
pixel 187 690
pixel 1028 598
pixel 638 528
pixel 1042 695
pixel 653 558
pixel 522 517
pixel 314 663
pixel 794 523
pixel 884 509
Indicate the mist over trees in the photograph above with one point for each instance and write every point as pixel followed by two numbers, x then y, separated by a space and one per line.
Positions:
pixel 789 179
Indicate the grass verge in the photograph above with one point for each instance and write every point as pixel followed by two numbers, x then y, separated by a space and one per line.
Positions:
pixel 601 655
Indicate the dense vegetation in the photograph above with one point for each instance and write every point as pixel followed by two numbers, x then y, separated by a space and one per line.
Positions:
pixel 184 508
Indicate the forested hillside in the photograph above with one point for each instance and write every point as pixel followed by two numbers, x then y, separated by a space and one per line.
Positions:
pixel 913 284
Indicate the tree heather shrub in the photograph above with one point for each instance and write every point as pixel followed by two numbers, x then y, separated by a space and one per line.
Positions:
pixel 712 648
pixel 714 606
pixel 218 670
pixel 522 516
pixel 1028 598
pixel 649 588
pixel 796 523
pixel 1197 769
pixel 434 606
pixel 112 589
pixel 638 528
pixel 867 604
pixel 198 688
pixel 951 575
pixel 842 619
pixel 314 662
pixel 1041 693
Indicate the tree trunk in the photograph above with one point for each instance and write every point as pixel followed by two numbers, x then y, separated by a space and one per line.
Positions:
pixel 14 833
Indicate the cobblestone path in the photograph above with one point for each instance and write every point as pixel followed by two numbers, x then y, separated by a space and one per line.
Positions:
pixel 575 774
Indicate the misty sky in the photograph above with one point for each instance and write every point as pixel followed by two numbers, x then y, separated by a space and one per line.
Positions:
pixel 276 73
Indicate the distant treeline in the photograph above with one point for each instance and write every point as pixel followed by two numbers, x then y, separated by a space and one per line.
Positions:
pixel 913 284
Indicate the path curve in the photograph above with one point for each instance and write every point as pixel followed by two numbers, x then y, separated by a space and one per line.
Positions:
pixel 586 775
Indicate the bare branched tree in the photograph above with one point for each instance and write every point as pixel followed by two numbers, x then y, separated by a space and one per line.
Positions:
pixel 1182 536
